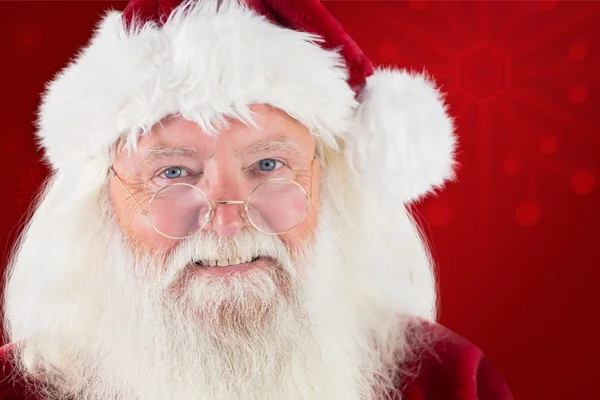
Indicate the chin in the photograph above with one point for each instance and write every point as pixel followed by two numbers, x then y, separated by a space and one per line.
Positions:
pixel 247 290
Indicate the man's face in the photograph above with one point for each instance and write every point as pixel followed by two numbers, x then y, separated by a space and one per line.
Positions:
pixel 293 324
pixel 227 166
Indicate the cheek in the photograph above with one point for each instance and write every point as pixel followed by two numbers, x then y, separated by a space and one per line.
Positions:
pixel 304 234
pixel 135 225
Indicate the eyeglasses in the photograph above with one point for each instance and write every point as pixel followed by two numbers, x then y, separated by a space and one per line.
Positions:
pixel 180 210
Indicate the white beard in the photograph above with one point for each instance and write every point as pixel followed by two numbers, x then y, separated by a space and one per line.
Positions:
pixel 103 323
pixel 298 331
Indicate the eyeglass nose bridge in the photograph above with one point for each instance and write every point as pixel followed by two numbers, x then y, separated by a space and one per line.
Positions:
pixel 211 213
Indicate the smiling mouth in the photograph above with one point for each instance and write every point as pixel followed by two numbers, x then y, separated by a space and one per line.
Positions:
pixel 225 262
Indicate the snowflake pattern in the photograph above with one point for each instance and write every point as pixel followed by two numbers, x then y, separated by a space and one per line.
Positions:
pixel 29 181
pixel 29 39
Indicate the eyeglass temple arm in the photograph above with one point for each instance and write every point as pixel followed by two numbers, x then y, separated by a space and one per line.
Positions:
pixel 112 170
pixel 312 163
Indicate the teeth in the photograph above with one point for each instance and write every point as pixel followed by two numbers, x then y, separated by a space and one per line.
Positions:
pixel 223 262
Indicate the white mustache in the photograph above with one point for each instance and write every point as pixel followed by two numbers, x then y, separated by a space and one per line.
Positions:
pixel 248 244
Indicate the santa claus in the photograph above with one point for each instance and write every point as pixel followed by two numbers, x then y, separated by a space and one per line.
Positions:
pixel 226 218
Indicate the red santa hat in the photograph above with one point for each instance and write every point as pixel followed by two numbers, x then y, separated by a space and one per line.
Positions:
pixel 209 59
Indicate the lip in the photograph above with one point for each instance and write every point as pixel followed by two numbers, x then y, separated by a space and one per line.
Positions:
pixel 231 269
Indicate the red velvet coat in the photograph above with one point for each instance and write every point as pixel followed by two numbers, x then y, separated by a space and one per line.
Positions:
pixel 455 370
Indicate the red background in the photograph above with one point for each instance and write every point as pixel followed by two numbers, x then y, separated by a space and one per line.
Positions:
pixel 516 238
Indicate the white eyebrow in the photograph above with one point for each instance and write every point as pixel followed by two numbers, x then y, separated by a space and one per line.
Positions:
pixel 279 144
pixel 159 152
pixel 284 144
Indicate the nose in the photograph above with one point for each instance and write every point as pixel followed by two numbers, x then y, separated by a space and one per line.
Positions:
pixel 227 217
pixel 225 190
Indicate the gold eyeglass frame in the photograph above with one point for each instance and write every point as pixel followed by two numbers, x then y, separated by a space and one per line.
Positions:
pixel 212 204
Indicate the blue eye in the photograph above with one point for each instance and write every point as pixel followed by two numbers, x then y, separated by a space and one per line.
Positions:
pixel 173 172
pixel 268 164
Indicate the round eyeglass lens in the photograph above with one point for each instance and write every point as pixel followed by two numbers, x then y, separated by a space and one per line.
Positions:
pixel 277 205
pixel 179 210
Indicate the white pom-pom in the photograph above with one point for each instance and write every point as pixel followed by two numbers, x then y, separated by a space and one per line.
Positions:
pixel 404 144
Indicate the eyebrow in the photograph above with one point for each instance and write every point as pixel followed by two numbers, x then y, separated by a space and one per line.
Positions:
pixel 278 144
pixel 281 143
pixel 161 152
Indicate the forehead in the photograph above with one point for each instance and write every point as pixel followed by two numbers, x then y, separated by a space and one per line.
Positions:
pixel 272 128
